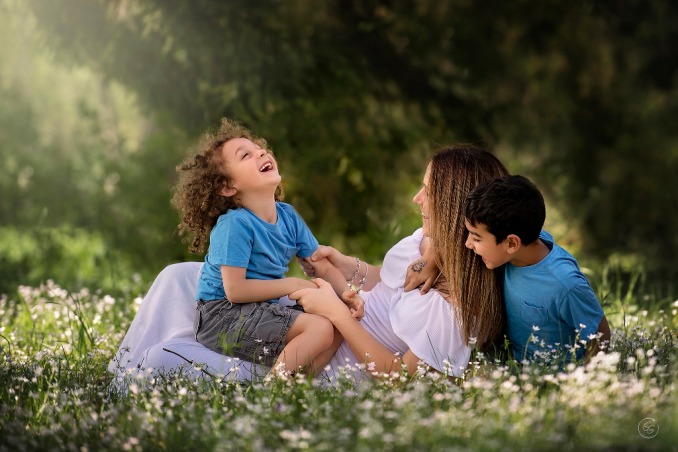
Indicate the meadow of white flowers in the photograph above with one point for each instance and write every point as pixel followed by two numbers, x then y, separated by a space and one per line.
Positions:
pixel 56 394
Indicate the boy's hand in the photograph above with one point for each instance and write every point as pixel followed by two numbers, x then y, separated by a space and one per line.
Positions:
pixel 355 303
pixel 306 267
pixel 422 271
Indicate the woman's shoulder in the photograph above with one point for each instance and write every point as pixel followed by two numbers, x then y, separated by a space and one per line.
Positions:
pixel 399 257
pixel 408 245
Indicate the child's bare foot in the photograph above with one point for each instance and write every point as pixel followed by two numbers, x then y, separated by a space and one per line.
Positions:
pixel 278 372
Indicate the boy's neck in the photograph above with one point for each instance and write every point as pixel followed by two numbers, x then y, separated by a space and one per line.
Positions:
pixel 531 254
pixel 261 206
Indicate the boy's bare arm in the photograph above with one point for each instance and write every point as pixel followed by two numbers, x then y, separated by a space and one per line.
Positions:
pixel 595 345
pixel 239 289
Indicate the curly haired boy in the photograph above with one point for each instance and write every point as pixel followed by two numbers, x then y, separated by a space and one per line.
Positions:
pixel 231 189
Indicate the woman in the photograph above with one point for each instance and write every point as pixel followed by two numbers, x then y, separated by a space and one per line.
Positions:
pixel 438 327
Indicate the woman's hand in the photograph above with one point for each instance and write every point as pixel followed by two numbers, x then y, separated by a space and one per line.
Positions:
pixel 321 301
pixel 345 264
pixel 301 283
pixel 355 303
pixel 423 271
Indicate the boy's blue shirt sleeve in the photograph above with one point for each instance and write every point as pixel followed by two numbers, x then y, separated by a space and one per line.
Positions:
pixel 306 242
pixel 581 307
pixel 232 243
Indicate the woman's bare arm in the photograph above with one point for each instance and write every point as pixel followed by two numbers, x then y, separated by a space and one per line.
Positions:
pixel 323 301
pixel 347 265
pixel 328 272
pixel 325 270
pixel 370 350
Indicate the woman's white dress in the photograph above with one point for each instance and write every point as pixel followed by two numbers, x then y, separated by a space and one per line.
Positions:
pixel 400 321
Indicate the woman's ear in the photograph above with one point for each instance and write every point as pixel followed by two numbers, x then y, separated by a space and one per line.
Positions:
pixel 228 191
pixel 514 243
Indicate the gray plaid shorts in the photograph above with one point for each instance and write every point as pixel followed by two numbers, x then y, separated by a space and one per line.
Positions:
pixel 254 332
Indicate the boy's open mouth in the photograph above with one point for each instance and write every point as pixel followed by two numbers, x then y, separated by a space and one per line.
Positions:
pixel 266 168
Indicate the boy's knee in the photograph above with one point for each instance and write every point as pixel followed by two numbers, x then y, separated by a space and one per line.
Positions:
pixel 319 327
pixel 324 330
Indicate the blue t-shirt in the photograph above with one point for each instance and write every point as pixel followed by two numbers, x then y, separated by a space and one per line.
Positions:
pixel 554 296
pixel 241 239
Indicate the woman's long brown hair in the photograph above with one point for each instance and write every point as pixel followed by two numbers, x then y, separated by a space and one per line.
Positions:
pixel 471 286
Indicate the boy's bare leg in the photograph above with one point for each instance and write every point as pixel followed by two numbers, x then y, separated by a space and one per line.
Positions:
pixel 309 336
pixel 323 358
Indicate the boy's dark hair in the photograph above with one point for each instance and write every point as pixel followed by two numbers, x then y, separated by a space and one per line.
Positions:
pixel 508 205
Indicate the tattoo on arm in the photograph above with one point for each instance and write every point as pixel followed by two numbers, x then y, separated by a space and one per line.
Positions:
pixel 419 266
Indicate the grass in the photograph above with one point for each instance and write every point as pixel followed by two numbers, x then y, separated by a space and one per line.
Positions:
pixel 56 394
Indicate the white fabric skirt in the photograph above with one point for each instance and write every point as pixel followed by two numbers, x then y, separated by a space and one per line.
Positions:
pixel 161 336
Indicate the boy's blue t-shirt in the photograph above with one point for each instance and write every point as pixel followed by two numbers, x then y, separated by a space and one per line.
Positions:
pixel 554 296
pixel 241 239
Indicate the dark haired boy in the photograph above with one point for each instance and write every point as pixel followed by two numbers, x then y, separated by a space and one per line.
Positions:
pixel 548 299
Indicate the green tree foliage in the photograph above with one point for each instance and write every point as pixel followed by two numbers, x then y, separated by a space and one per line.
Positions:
pixel 352 95
pixel 85 180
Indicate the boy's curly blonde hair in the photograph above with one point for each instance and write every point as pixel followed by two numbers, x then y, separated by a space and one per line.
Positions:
pixel 201 178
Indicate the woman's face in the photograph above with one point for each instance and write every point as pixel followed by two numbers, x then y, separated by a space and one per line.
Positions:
pixel 421 198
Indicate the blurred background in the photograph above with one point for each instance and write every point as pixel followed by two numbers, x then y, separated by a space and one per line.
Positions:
pixel 99 100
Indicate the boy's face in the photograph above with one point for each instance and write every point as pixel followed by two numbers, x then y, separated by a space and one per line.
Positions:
pixel 484 244
pixel 251 168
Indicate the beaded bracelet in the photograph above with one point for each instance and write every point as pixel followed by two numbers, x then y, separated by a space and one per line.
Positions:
pixel 362 281
pixel 357 271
